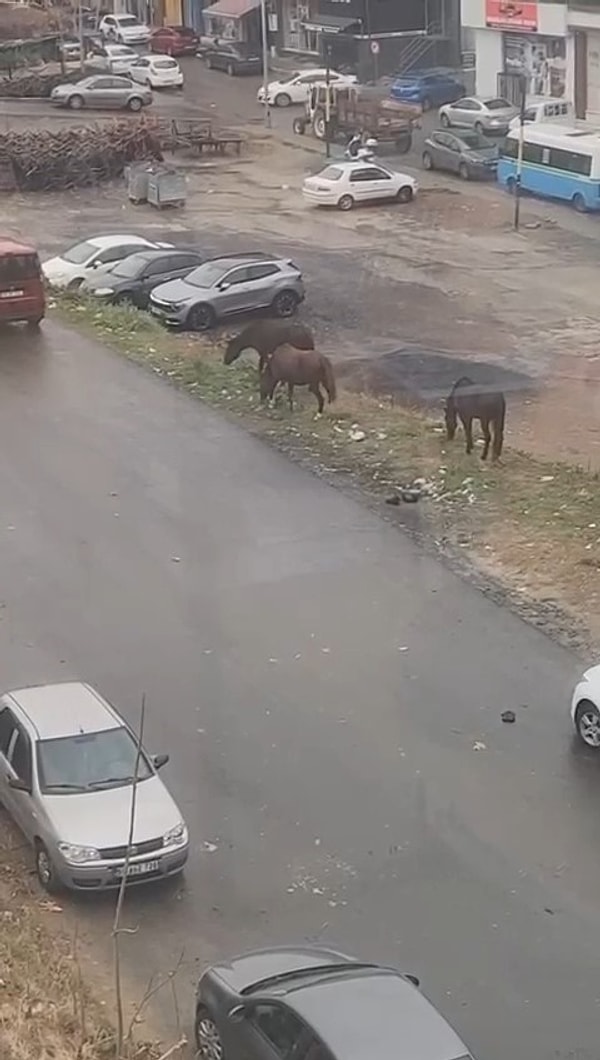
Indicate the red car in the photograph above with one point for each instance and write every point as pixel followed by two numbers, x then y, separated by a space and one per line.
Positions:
pixel 174 40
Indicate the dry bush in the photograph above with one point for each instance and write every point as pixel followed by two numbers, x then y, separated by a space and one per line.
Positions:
pixel 23 23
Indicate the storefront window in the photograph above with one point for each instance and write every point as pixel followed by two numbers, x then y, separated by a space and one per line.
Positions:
pixel 540 59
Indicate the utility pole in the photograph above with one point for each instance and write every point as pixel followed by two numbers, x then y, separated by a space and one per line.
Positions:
pixel 265 58
pixel 80 34
pixel 327 99
pixel 523 91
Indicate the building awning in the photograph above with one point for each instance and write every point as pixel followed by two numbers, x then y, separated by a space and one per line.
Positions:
pixel 329 23
pixel 231 8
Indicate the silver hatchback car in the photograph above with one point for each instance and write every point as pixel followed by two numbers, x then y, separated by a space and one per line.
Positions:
pixel 67 764
pixel 225 286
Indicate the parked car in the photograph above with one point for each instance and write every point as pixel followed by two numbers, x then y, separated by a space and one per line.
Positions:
pixel 294 88
pixel 132 279
pixel 585 709
pixel 469 154
pixel 235 59
pixel 430 89
pixel 112 59
pixel 484 115
pixel 67 765
pixel 225 286
pixel 174 40
pixel 344 184
pixel 102 91
pixel 157 71
pixel 316 1004
pixel 78 263
pixel 22 296
pixel 126 29
pixel 70 49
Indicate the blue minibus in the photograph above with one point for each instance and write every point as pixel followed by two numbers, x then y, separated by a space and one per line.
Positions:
pixel 558 163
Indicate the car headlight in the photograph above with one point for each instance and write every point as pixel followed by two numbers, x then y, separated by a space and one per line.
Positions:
pixel 104 290
pixel 78 855
pixel 176 837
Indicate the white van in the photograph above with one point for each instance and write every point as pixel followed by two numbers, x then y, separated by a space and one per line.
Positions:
pixel 544 108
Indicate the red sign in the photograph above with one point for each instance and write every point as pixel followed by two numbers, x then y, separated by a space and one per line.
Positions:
pixel 511 15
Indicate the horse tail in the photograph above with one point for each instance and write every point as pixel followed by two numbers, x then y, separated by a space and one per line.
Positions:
pixel 328 378
pixel 499 425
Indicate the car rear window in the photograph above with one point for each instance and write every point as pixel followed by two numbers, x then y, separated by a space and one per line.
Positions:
pixel 89 761
pixel 164 64
pixel 497 104
pixel 19 267
pixel 331 173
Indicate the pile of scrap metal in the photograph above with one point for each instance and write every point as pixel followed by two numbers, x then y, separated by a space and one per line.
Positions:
pixel 72 157
pixel 33 84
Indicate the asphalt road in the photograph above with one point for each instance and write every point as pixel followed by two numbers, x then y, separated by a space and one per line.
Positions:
pixel 321 686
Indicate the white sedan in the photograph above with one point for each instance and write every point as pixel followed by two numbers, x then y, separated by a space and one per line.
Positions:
pixel 585 708
pixel 295 88
pixel 78 263
pixel 157 71
pixel 126 29
pixel 113 59
pixel 344 184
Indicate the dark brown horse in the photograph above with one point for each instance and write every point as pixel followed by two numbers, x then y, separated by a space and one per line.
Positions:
pixel 298 368
pixel 265 336
pixel 468 401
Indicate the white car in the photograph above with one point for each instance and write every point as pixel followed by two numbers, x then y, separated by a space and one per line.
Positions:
pixel 78 263
pixel 344 184
pixel 126 29
pixel 295 88
pixel 157 71
pixel 113 59
pixel 585 708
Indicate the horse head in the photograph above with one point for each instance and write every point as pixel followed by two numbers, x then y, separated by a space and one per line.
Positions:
pixel 233 349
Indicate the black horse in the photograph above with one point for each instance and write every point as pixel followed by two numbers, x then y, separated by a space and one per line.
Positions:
pixel 265 336
pixel 468 401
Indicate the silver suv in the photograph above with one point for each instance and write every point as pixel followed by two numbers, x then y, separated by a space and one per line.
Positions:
pixel 67 765
pixel 224 286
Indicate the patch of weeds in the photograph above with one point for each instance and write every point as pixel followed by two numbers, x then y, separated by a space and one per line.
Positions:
pixel 535 524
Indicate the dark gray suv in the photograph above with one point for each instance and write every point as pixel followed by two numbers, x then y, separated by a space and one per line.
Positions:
pixel 315 1004
pixel 226 286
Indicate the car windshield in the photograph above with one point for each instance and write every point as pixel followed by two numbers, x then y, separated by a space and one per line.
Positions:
pixel 127 20
pixel 474 142
pixel 89 761
pixel 286 80
pixel 129 267
pixel 206 275
pixel 331 173
pixel 497 104
pixel 119 49
pixel 79 253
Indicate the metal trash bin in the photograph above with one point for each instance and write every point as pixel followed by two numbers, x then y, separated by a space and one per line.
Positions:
pixel 166 187
pixel 137 176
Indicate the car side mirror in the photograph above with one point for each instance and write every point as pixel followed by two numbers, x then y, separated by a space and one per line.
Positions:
pixel 224 286
pixel 18 785
pixel 413 979
pixel 237 1014
pixel 160 760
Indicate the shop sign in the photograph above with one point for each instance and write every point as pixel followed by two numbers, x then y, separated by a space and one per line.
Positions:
pixel 511 15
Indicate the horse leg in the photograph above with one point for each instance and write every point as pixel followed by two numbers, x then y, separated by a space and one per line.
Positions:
pixel 291 396
pixel 485 427
pixel 467 423
pixel 316 390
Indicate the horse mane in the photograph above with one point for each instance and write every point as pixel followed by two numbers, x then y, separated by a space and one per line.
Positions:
pixel 463 381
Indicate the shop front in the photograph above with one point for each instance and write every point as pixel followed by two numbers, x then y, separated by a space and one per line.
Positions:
pixel 232 20
pixel 304 22
pixel 584 24
pixel 513 41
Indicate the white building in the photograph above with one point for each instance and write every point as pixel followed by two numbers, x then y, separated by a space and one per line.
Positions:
pixel 515 38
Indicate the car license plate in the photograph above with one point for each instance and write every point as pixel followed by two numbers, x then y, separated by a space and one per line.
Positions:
pixel 157 312
pixel 11 294
pixel 140 868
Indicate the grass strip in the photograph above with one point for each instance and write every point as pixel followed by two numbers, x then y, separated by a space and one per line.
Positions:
pixel 533 523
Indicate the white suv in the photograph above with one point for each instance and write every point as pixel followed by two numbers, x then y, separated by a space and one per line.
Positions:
pixel 126 29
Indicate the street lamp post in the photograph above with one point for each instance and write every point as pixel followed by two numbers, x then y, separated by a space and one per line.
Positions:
pixel 523 92
pixel 265 59
pixel 327 100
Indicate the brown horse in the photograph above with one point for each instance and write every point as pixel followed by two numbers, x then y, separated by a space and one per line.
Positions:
pixel 468 401
pixel 298 368
pixel 265 336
